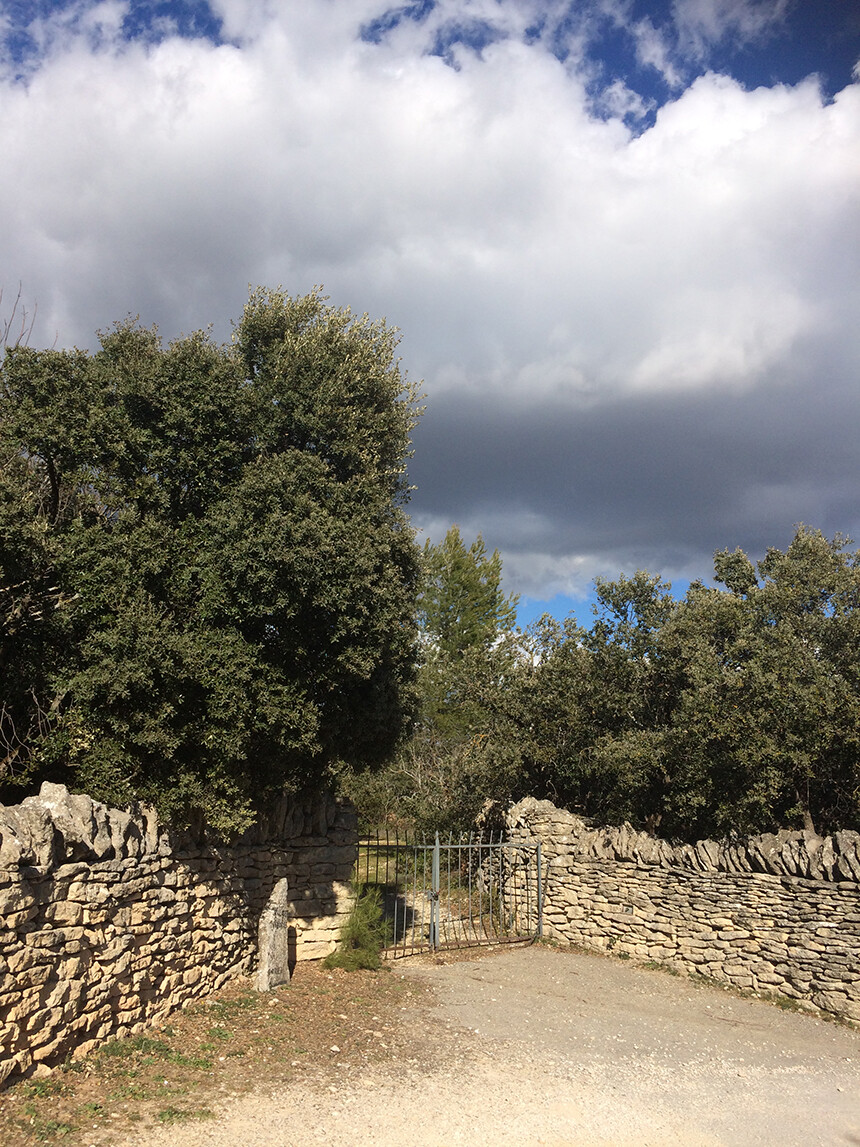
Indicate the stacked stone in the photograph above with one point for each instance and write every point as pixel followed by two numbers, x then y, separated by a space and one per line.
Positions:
pixel 704 908
pixel 108 921
pixel 786 853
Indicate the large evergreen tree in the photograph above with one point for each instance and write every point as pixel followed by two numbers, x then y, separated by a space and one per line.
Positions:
pixel 461 605
pixel 207 577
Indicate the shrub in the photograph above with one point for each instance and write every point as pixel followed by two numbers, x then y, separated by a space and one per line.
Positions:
pixel 364 934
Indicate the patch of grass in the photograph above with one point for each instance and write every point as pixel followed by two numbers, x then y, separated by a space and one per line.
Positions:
pixel 363 934
pixel 44 1130
pixel 132 1091
pixel 183 1060
pixel 144 1051
pixel 786 1003
pixel 44 1088
pixel 135 1045
pixel 230 1009
pixel 215 1037
pixel 656 966
pixel 171 1115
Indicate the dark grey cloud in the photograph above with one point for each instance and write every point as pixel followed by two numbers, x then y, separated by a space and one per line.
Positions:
pixel 661 480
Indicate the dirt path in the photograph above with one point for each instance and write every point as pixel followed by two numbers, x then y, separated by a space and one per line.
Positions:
pixel 536 1046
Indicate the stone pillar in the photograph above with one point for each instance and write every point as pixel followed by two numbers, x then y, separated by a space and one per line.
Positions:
pixel 276 941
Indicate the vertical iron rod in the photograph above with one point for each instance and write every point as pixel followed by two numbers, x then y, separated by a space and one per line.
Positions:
pixel 539 890
pixel 434 898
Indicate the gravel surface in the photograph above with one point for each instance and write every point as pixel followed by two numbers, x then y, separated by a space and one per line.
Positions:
pixel 538 1046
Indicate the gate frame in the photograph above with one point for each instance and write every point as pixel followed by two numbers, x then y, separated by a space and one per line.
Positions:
pixel 507 872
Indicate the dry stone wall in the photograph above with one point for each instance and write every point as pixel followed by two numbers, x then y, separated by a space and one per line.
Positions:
pixel 108 921
pixel 777 913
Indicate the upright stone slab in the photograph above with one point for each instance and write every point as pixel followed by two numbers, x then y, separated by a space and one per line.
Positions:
pixel 275 940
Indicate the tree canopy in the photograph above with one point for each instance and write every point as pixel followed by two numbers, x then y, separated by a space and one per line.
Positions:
pixel 734 710
pixel 461 605
pixel 207 575
pixel 446 771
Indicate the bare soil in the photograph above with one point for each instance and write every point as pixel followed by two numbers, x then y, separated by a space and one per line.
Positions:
pixel 517 1046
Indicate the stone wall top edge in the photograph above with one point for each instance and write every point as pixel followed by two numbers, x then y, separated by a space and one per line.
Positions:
pixel 58 828
pixel 793 854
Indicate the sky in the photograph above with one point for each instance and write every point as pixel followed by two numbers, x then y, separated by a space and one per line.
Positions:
pixel 620 239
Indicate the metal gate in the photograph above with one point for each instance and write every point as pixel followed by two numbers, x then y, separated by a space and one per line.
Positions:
pixel 456 894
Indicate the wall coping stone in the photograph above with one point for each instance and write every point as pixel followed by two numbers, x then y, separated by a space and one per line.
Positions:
pixel 792 855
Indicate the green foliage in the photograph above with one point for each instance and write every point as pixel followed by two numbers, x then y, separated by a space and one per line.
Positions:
pixel 207 577
pixel 364 933
pixel 430 787
pixel 462 614
pixel 461 605
pixel 770 717
pixel 445 773
pixel 172 1115
pixel 736 710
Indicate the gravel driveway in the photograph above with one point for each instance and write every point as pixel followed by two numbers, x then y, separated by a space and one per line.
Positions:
pixel 539 1046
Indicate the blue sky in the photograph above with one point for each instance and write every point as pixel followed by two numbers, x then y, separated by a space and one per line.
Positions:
pixel 621 239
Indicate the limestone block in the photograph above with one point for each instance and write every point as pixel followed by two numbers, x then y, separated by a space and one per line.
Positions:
pixel 662 927
pixel 16 920
pixel 659 951
pixel 311 950
pixel 15 896
pixel 65 912
pixel 836 1002
pixel 769 977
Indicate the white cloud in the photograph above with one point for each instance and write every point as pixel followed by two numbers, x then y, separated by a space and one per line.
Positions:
pixel 655 49
pixel 620 102
pixel 701 24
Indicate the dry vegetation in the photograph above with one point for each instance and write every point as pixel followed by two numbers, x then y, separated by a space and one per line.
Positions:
pixel 233 1042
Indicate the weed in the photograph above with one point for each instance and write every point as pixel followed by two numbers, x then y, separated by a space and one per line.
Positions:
pixel 145 1051
pixel 42 1129
pixel 44 1088
pixel 171 1115
pixel 216 1036
pixel 133 1045
pixel 785 1002
pixel 131 1091
pixel 656 966
pixel 183 1060
pixel 45 1129
pixel 229 1009
pixel 363 935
